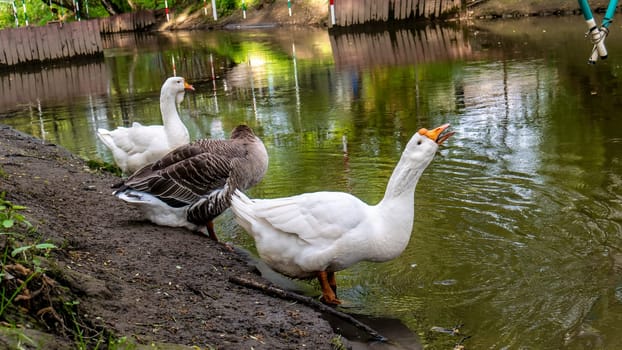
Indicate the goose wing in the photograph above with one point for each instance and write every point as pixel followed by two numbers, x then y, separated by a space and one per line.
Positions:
pixel 218 148
pixel 184 181
pixel 135 139
pixel 316 218
pixel 189 172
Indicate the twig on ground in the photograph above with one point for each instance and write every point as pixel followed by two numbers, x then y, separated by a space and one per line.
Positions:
pixel 283 294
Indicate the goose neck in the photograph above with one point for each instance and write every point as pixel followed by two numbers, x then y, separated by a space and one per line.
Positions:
pixel 168 109
pixel 404 180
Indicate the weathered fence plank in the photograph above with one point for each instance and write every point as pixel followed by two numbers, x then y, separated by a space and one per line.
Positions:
pixel 125 22
pixel 59 40
pixel 355 12
pixel 37 44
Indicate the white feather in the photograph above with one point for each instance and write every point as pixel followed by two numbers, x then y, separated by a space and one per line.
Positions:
pixel 157 211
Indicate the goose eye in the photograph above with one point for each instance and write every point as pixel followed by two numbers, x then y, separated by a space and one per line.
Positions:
pixel 419 142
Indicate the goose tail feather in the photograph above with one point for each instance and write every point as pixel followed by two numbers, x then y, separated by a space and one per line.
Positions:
pixel 106 137
pixel 241 207
pixel 132 196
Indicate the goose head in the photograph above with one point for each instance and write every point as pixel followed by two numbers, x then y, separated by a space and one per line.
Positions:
pixel 173 89
pixel 424 144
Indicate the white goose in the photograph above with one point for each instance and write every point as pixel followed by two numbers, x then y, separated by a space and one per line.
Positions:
pixel 316 234
pixel 193 184
pixel 139 144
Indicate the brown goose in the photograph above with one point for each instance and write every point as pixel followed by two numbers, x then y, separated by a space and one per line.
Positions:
pixel 193 184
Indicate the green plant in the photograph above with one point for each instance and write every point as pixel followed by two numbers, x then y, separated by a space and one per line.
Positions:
pixel 20 263
pixel 122 343
pixel 104 166
pixel 29 295
pixel 10 216
pixel 337 343
pixel 6 297
pixel 81 342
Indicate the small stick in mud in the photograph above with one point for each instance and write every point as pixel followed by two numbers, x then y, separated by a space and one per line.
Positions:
pixel 283 294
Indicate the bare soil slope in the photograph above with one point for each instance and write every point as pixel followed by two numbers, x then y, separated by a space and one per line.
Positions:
pixel 135 279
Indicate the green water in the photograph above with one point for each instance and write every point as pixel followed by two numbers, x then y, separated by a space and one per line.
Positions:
pixel 517 232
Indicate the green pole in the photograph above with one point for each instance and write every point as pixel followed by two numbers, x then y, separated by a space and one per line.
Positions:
pixel 15 14
pixel 25 14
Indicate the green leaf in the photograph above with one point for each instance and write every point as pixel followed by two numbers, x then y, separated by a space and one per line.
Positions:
pixel 20 250
pixel 8 223
pixel 45 246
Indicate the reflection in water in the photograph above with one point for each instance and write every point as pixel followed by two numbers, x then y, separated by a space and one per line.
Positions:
pixel 52 86
pixel 418 45
pixel 518 230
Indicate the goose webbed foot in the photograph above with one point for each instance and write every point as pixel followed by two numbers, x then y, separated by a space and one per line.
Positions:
pixel 210 231
pixel 329 288
pixel 212 234
pixel 332 281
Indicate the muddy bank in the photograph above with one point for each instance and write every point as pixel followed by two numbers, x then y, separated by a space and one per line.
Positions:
pixel 129 278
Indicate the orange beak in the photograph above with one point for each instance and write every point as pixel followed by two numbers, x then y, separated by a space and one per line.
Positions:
pixel 188 86
pixel 435 134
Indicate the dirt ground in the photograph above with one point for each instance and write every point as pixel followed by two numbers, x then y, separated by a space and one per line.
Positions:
pixel 131 278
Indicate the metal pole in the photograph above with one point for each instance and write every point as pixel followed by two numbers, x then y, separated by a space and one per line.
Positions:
pixel 15 14
pixel 596 35
pixel 25 14
pixel 76 6
pixel 611 9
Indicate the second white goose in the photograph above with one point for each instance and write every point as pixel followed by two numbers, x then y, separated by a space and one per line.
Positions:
pixel 140 144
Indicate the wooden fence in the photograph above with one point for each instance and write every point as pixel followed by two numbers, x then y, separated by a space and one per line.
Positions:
pixel 354 12
pixel 126 22
pixel 51 42
pixel 59 41
pixel 401 47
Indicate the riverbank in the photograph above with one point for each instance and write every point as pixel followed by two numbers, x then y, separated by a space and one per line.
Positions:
pixel 315 13
pixel 115 279
pixel 508 8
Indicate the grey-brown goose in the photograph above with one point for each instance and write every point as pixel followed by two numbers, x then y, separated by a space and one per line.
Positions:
pixel 193 184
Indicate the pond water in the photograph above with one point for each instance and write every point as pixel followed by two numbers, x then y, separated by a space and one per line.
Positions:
pixel 517 234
